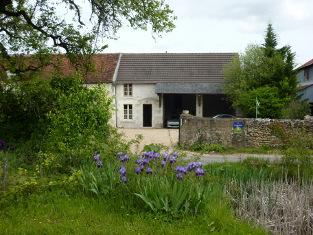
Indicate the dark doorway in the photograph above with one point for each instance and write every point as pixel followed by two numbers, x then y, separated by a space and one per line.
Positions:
pixel 216 104
pixel 174 104
pixel 147 115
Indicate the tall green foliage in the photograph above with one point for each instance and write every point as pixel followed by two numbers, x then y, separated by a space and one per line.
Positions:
pixel 59 118
pixel 261 69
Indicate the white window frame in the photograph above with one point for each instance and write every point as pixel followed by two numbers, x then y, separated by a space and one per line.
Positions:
pixel 128 89
pixel 128 112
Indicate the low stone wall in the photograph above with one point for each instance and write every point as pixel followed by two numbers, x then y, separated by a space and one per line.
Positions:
pixel 239 132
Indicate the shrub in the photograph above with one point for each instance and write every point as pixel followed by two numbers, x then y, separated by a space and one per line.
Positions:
pixel 154 147
pixel 206 148
pixel 79 124
pixel 270 102
pixel 296 109
pixel 23 107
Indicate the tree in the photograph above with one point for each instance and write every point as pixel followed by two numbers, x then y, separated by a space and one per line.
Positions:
pixel 264 68
pixel 42 27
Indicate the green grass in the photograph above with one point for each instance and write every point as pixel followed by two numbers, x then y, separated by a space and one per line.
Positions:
pixel 56 212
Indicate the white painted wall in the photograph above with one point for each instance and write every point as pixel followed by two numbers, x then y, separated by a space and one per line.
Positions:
pixel 142 94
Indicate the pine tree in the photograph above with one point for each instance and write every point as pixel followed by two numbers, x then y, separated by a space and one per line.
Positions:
pixel 270 41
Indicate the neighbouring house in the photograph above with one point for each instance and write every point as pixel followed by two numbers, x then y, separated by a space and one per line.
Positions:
pixel 305 78
pixel 153 89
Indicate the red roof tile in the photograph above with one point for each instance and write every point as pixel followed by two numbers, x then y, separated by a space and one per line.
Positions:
pixel 102 72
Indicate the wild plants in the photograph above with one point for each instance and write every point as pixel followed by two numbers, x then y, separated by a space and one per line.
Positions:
pixel 282 207
pixel 152 179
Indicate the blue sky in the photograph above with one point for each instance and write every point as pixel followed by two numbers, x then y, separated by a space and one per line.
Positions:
pixel 226 26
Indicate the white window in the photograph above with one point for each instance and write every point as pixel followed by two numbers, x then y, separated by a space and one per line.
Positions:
pixel 128 89
pixel 128 111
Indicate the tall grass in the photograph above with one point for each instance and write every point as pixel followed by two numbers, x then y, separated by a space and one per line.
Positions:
pixel 282 207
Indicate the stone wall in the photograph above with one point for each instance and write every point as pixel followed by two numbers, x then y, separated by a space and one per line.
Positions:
pixel 237 132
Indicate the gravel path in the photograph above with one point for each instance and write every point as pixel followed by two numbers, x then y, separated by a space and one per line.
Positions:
pixel 166 137
pixel 237 157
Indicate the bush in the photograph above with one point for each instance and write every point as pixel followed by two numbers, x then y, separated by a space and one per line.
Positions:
pixel 23 107
pixel 56 122
pixel 207 148
pixel 270 102
pixel 78 125
pixel 296 109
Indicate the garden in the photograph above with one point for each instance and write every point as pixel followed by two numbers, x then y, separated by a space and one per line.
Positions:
pixel 66 170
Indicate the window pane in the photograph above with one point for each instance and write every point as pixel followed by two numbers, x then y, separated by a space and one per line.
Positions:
pixel 130 89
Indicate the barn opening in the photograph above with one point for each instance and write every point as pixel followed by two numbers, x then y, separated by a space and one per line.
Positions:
pixel 214 104
pixel 174 104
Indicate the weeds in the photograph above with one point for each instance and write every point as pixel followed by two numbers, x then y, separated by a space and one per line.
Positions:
pixel 282 207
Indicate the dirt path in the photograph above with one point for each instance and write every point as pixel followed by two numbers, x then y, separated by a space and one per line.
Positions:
pixel 216 157
pixel 166 137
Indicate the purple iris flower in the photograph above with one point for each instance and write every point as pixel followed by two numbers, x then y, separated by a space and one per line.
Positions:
pixel 2 144
pixel 181 169
pixel 156 155
pixel 165 156
pixel 163 163
pixel 199 172
pixel 96 157
pixel 139 161
pixel 122 171
pixel 149 171
pixel 123 179
pixel 180 176
pixel 145 161
pixel 193 165
pixel 124 158
pixel 138 170
pixel 99 164
pixel 172 159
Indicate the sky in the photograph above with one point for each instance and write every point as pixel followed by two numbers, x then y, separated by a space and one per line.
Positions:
pixel 226 26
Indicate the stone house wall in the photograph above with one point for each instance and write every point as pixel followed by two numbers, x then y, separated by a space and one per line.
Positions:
pixel 237 132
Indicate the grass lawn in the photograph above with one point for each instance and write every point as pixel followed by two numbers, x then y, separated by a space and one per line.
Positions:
pixel 61 213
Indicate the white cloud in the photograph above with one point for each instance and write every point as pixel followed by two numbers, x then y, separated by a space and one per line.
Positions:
pixel 227 26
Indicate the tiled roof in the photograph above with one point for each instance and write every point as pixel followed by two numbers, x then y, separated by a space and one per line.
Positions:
pixel 307 64
pixel 103 71
pixel 173 67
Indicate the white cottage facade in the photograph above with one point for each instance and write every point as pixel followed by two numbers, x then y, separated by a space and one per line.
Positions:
pixel 150 90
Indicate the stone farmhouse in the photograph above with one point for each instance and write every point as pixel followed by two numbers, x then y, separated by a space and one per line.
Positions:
pixel 152 90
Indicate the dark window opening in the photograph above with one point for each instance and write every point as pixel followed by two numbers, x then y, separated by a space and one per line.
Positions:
pixel 147 115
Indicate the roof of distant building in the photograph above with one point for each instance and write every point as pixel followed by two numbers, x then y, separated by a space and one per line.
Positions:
pixel 173 67
pixel 102 72
pixel 307 64
pixel 102 69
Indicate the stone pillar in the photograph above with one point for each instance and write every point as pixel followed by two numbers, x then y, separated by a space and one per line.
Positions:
pixel 199 105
